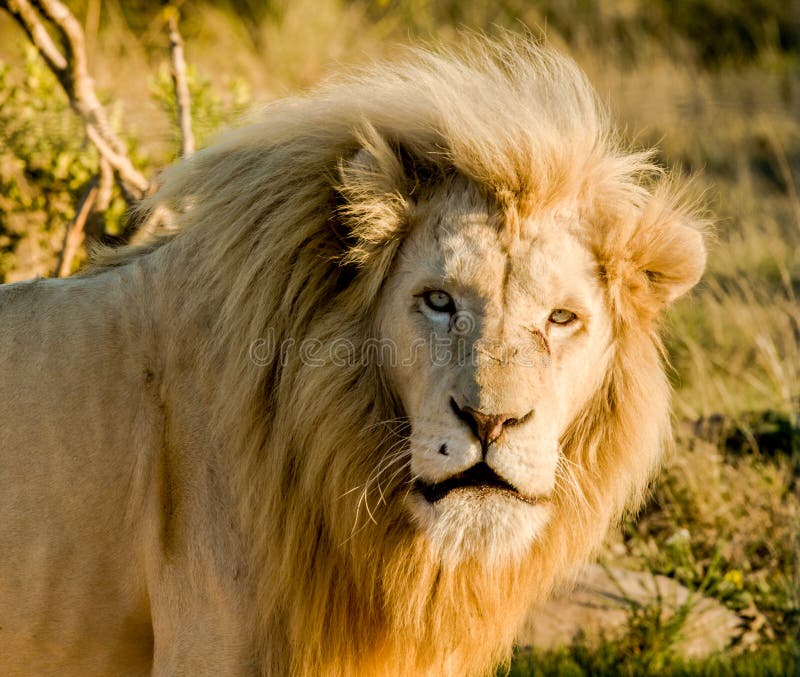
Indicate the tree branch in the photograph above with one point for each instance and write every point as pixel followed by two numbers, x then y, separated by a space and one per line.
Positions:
pixel 89 217
pixel 74 234
pixel 71 69
pixel 27 17
pixel 180 83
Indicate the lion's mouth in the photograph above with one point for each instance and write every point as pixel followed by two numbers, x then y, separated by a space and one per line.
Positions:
pixel 480 477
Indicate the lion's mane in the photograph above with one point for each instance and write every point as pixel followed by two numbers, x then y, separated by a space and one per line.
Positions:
pixel 285 242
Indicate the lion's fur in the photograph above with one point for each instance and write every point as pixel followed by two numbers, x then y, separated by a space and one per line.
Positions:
pixel 280 236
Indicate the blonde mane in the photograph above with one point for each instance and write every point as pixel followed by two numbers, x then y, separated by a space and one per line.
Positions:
pixel 278 241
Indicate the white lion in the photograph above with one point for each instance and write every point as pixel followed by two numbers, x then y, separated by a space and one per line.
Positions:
pixel 394 375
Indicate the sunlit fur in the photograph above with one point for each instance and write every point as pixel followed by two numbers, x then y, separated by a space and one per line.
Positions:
pixel 279 235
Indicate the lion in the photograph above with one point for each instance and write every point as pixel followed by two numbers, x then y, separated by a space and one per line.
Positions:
pixel 390 379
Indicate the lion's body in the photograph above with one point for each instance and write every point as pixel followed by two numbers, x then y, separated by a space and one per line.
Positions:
pixel 58 599
pixel 174 501
pixel 95 491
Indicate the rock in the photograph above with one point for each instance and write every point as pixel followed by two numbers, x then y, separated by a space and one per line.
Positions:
pixel 601 604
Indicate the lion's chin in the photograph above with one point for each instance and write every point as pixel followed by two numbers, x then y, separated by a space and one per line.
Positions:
pixel 495 528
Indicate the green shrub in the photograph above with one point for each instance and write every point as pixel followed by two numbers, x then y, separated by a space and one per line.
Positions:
pixel 46 164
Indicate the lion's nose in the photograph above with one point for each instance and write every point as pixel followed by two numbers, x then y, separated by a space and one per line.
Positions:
pixel 486 427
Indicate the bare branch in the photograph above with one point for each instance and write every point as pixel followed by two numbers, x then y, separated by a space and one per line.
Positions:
pixel 96 225
pixel 71 69
pixel 73 237
pixel 180 83
pixel 27 17
pixel 89 221
pixel 105 187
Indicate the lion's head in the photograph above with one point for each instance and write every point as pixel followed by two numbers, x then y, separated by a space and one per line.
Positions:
pixel 501 331
pixel 450 269
pixel 505 336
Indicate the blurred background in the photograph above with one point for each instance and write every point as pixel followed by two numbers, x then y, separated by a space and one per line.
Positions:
pixel 706 580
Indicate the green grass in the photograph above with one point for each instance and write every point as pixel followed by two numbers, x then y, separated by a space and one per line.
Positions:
pixel 619 659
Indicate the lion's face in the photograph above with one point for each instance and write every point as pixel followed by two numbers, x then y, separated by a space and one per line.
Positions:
pixel 502 339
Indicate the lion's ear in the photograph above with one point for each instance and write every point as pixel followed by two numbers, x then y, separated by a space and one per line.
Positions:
pixel 659 257
pixel 377 188
pixel 373 198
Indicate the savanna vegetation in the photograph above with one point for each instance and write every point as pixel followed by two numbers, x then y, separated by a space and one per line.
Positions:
pixel 714 84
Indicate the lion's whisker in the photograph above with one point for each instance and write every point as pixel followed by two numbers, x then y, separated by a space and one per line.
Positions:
pixel 391 479
pixel 392 454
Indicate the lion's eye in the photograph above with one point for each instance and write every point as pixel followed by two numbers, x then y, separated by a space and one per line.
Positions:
pixel 439 301
pixel 562 316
